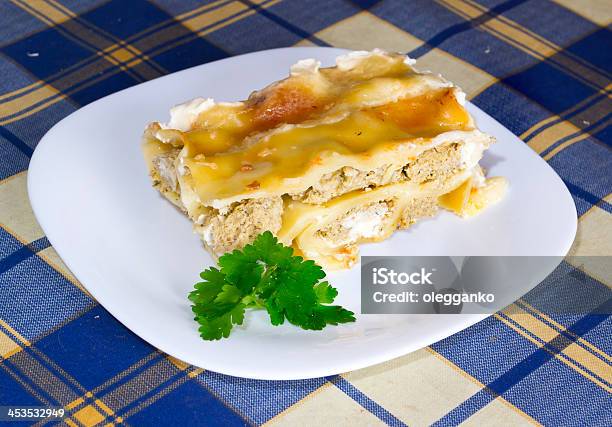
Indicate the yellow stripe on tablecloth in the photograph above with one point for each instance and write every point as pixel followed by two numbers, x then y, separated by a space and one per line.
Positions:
pixel 593 240
pixel 177 362
pixel 563 128
pixel 539 47
pixel 538 333
pixel 202 20
pixel 89 416
pixel 497 414
pixel 38 100
pixel 50 257
pixel 598 11
pixel 8 347
pixel 243 14
pixel 17 219
pixel 168 388
pixel 161 371
pixel 542 39
pixel 580 136
pixel 28 100
pixel 559 327
pixel 54 384
pixel 11 341
pixel 349 34
pixel 121 51
pixel 530 43
pixel 46 12
pixel 325 406
pixel 27 366
pixel 15 210
pixel 536 127
pixel 499 399
pixel 16 336
pixel 78 65
pixel 82 33
pixel 427 386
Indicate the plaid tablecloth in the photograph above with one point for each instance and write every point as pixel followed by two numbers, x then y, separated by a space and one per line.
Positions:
pixel 541 68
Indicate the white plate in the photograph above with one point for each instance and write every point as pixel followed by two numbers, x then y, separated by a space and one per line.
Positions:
pixel 137 255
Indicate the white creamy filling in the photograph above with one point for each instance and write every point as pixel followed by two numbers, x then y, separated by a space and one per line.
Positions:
pixel 460 96
pixel 167 172
pixel 206 234
pixel 183 116
pixel 471 153
pixel 478 178
pixel 305 66
pixel 366 223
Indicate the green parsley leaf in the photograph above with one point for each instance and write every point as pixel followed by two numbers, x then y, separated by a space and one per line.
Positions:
pixel 264 274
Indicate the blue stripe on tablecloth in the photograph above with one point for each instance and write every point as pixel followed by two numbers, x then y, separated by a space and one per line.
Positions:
pixel 560 329
pixel 475 46
pixel 567 116
pixel 201 408
pixel 589 197
pixel 12 160
pixel 585 165
pixel 153 391
pixel 512 109
pixel 535 82
pixel 298 31
pixel 565 338
pixel 361 398
pixel 50 374
pixel 316 15
pixel 139 16
pixel 32 128
pixel 531 18
pixel 11 390
pixel 59 51
pixel 590 49
pixel 17 143
pixel 568 293
pixel 466 409
pixel 500 379
pixel 7 379
pixel 23 253
pixel 34 297
pixel 452 31
pixel 271 397
pixel 77 347
pixel 16 22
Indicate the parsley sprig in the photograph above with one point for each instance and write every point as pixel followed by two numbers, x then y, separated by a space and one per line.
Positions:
pixel 264 274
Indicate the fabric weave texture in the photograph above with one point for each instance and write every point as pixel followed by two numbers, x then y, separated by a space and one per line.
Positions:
pixel 542 68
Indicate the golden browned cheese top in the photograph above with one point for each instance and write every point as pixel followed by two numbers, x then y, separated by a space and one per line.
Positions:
pixel 314 122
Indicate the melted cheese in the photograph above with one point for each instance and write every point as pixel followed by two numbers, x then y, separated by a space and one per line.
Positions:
pixel 223 167
pixel 372 109
pixel 301 221
pixel 475 194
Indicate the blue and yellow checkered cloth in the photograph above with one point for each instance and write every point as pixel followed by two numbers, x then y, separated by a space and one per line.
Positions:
pixel 542 68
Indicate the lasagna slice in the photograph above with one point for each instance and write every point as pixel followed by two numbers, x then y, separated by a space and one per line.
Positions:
pixel 325 159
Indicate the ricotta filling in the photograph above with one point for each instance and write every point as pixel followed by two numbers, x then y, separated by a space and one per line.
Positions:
pixel 365 223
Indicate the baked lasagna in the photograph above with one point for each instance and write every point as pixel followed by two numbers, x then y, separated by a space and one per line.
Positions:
pixel 326 159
